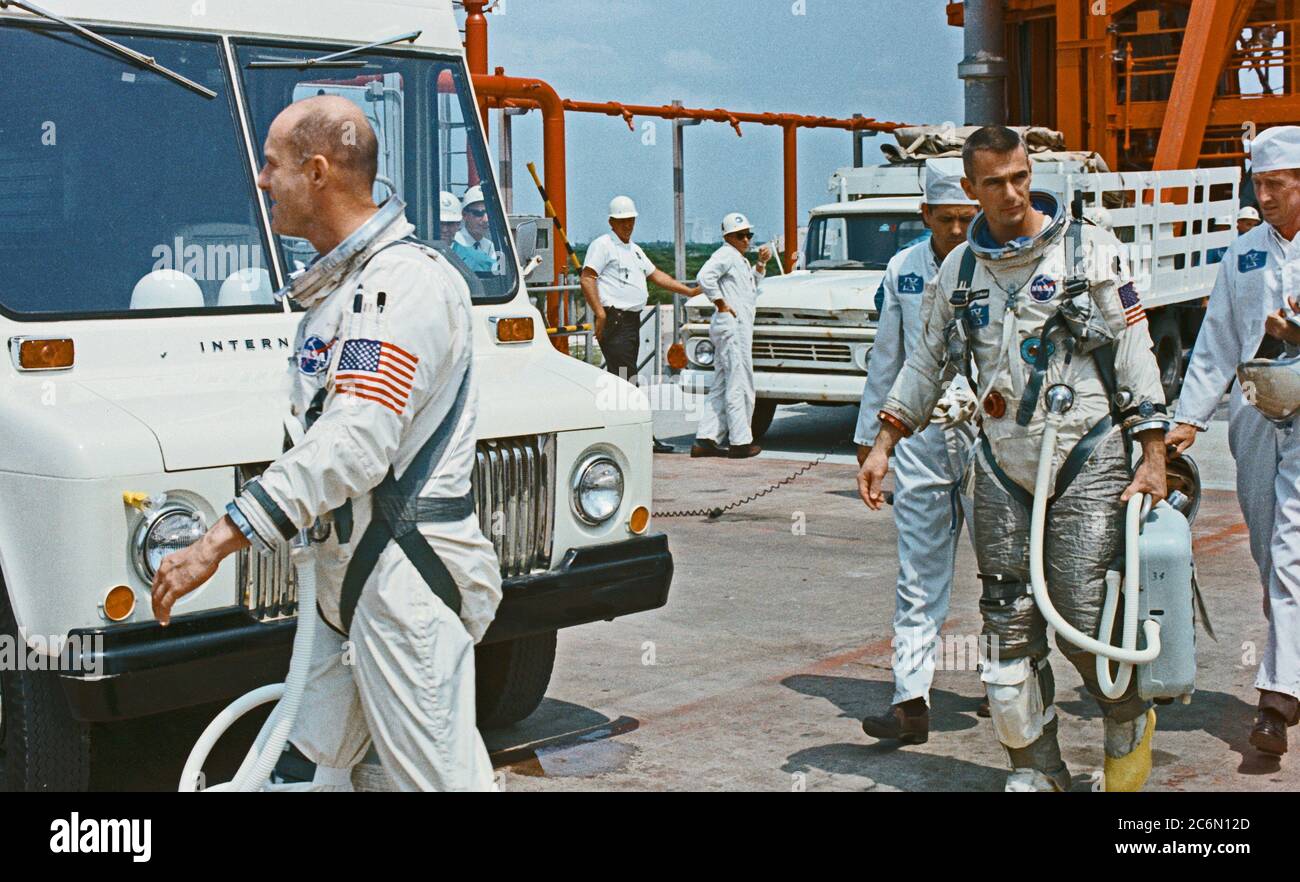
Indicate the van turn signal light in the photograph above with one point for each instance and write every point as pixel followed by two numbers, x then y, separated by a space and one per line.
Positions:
pixel 640 520
pixel 119 603
pixel 518 329
pixel 44 354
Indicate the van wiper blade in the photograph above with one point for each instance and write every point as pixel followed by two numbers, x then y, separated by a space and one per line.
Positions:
pixel 335 59
pixel 126 52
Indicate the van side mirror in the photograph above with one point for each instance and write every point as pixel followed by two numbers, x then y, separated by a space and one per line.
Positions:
pixel 526 240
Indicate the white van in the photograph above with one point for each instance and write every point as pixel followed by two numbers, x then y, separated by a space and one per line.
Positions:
pixel 147 373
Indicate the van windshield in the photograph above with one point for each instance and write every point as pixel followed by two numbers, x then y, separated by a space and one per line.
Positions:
pixel 430 146
pixel 861 241
pixel 122 192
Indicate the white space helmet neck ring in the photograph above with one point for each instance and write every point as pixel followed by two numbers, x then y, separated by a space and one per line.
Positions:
pixel 330 269
pixel 1026 246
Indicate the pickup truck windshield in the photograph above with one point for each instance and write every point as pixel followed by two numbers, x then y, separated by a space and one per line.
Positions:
pixel 121 192
pixel 430 142
pixel 861 241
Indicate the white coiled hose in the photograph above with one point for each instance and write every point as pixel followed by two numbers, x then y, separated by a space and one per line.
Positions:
pixel 1128 654
pixel 269 744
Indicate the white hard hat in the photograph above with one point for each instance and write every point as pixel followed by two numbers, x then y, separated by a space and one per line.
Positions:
pixel 472 195
pixel 1248 213
pixel 734 223
pixel 247 287
pixel 166 289
pixel 621 207
pixel 449 209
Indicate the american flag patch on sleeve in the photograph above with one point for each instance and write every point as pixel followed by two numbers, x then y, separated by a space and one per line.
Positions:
pixel 376 371
pixel 1133 311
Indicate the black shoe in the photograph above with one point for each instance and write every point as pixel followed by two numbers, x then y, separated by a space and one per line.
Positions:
pixel 908 723
pixel 1269 734
pixel 744 451
pixel 983 709
pixel 706 447
pixel 661 447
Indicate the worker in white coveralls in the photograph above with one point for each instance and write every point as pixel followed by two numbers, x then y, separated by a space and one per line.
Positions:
pixel 928 467
pixel 1025 289
pixel 732 284
pixel 1259 277
pixel 383 412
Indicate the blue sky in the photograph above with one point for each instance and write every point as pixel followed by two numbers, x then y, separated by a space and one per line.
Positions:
pixel 889 59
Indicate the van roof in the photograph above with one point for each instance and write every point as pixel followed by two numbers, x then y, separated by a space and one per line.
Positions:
pixel 346 21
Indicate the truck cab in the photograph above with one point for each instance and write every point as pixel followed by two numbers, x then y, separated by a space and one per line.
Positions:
pixel 149 360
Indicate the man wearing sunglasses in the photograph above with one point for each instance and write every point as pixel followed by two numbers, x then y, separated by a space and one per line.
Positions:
pixel 472 244
pixel 732 284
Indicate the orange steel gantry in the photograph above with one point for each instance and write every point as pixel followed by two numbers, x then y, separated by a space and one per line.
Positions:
pixel 1152 84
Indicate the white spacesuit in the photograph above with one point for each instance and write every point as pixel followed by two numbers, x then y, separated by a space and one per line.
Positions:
pixel 383 412
pixel 1016 296
pixel 928 466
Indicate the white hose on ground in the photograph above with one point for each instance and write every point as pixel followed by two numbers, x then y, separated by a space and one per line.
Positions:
pixel 1038 579
pixel 269 744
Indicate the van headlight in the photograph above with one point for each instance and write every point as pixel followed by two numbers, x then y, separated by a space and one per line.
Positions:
pixel 703 352
pixel 170 527
pixel 597 489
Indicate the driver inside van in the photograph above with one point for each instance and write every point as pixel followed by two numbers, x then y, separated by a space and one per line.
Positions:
pixel 383 413
pixel 472 244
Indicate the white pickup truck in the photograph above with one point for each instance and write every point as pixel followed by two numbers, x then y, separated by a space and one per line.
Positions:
pixel 814 327
pixel 149 362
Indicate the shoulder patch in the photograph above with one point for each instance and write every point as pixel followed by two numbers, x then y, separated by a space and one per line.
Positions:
pixel 314 357
pixel 1251 260
pixel 911 283
pixel 880 298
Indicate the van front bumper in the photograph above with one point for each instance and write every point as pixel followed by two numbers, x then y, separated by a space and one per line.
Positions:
pixel 147 669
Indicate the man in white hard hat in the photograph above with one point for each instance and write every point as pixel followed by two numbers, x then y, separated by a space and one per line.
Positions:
pixel 732 284
pixel 928 466
pixel 1247 219
pixel 449 216
pixel 472 244
pixel 614 274
pixel 1247 316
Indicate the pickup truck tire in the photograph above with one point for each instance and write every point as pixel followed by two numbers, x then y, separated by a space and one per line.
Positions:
pixel 764 411
pixel 511 678
pixel 42 748
pixel 1167 343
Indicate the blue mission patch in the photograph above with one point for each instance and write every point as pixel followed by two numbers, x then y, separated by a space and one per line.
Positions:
pixel 880 298
pixel 315 356
pixel 1042 289
pixel 1251 260
pixel 978 314
pixel 910 284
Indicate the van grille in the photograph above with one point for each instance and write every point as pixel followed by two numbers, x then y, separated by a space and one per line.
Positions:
pixel 514 494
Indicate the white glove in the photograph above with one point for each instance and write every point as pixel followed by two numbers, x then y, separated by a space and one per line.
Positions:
pixel 957 405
